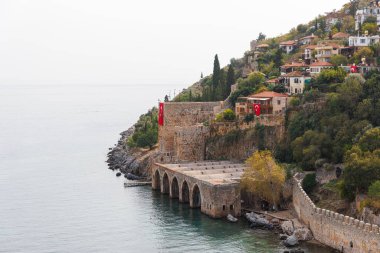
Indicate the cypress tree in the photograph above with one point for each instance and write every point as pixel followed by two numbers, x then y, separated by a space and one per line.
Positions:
pixel 190 96
pixel 230 80
pixel 215 77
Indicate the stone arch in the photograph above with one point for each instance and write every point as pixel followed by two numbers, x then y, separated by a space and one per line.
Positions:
pixel 185 191
pixel 174 188
pixel 165 184
pixel 196 197
pixel 156 181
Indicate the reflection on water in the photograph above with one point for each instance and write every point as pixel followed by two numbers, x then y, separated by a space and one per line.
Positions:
pixel 56 194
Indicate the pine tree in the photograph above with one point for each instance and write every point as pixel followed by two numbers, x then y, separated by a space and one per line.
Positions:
pixel 215 78
pixel 166 98
pixel 201 75
pixel 190 96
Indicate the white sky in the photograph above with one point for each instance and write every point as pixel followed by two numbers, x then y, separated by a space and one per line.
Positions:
pixel 135 42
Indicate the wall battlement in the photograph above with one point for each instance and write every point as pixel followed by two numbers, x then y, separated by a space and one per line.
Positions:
pixel 334 229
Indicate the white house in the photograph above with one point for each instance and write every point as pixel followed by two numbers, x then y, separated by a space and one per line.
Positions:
pixel 317 67
pixel 295 82
pixel 363 41
pixel 288 46
pixel 362 15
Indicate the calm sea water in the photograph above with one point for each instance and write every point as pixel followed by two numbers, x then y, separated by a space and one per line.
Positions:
pixel 56 194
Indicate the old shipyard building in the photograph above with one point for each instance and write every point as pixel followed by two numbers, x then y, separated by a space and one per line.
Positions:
pixel 211 186
pixel 181 170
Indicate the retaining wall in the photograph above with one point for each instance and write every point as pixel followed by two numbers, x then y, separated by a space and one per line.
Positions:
pixel 333 229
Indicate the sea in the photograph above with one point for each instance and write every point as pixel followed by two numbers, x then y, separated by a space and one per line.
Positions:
pixel 57 194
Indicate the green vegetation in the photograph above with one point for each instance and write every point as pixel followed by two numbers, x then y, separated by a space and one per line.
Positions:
pixel 227 115
pixel 309 182
pixel 146 131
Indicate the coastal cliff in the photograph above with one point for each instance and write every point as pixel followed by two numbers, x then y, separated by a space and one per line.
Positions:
pixel 131 160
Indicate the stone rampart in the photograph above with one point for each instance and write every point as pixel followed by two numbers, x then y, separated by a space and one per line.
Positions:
pixel 333 229
pixel 181 120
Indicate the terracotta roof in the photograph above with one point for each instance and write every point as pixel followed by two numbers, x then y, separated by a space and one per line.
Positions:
pixel 321 64
pixel 311 47
pixel 340 35
pixel 309 37
pixel 268 94
pixel 288 43
pixel 294 74
pixel 274 80
pixel 262 45
pixel 295 65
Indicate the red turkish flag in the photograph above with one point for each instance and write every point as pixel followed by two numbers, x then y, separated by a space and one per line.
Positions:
pixel 257 109
pixel 354 69
pixel 161 114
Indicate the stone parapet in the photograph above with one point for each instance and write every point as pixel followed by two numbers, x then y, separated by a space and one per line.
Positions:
pixel 333 229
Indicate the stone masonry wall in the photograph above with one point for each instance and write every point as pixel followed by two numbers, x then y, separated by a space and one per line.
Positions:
pixel 335 230
pixel 187 116
pixel 189 142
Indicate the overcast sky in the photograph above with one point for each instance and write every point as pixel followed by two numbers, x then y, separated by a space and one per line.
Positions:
pixel 135 42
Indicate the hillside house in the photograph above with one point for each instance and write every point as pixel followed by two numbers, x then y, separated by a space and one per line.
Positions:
pixel 262 47
pixel 295 82
pixel 363 14
pixel 270 103
pixel 325 52
pixel 293 66
pixel 363 41
pixel 332 18
pixel 317 67
pixel 308 53
pixel 307 40
pixel 340 36
pixel 288 46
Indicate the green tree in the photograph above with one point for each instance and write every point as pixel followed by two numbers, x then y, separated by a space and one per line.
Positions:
pixel 215 77
pixel 374 190
pixel 309 182
pixel 264 177
pixel 371 28
pixel 230 80
pixel 339 60
pixel 261 37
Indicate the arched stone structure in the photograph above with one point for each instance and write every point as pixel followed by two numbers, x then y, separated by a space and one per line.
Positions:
pixel 174 188
pixel 156 181
pixel 185 193
pixel 165 184
pixel 196 199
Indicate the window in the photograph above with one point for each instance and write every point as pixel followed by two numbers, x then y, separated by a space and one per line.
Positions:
pixel 231 207
pixel 224 208
pixel 295 80
pixel 362 41
pixel 278 102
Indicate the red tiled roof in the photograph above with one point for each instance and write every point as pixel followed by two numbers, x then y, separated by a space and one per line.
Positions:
pixel 294 74
pixel 295 65
pixel 311 47
pixel 268 94
pixel 262 45
pixel 309 37
pixel 274 80
pixel 321 64
pixel 340 35
pixel 288 43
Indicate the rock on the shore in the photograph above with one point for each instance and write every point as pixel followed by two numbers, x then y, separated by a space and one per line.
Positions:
pixel 291 241
pixel 287 227
pixel 303 234
pixel 135 161
pixel 257 221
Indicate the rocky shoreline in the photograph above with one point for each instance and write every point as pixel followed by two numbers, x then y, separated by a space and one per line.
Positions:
pixel 132 162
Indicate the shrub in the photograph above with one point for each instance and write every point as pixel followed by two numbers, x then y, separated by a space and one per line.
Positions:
pixel 374 190
pixel 309 182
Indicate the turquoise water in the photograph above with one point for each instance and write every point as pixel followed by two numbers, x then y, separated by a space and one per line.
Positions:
pixel 57 195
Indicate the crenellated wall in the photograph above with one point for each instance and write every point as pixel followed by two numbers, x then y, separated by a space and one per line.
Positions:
pixel 333 229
